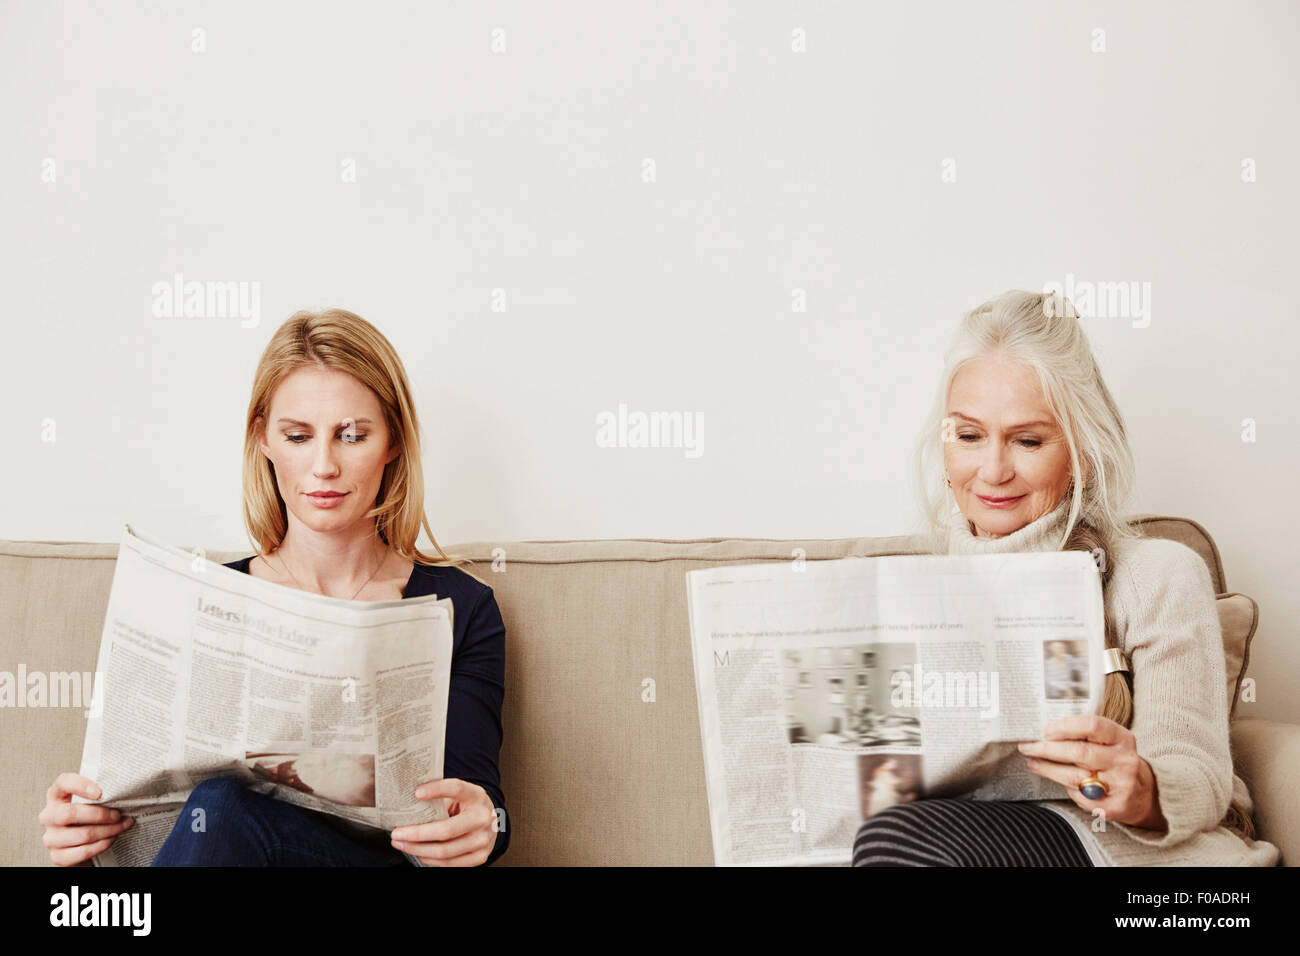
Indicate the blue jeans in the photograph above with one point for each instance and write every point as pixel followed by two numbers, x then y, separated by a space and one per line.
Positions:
pixel 246 828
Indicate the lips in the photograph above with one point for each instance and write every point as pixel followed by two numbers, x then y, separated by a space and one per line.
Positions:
pixel 325 500
pixel 995 502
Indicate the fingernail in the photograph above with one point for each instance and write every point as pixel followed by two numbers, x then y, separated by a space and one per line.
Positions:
pixel 94 792
pixel 129 821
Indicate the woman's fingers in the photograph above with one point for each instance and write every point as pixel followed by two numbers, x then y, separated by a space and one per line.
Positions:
pixel 66 784
pixel 61 837
pixel 444 853
pixel 444 830
pixel 474 858
pixel 75 832
pixel 1114 804
pixel 73 814
pixel 1066 774
pixel 1092 727
pixel 1084 753
pixel 78 854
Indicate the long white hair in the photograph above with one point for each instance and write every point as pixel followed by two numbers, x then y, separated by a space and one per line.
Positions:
pixel 1038 330
pixel 1042 331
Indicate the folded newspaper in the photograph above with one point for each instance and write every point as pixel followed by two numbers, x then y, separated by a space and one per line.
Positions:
pixel 831 690
pixel 204 671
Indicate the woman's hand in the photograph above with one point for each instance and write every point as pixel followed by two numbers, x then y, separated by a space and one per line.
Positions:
pixel 1077 747
pixel 75 832
pixel 465 838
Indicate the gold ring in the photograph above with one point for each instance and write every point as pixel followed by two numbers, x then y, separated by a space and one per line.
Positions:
pixel 1093 788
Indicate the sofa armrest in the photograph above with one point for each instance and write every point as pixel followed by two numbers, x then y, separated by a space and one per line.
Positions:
pixel 1266 755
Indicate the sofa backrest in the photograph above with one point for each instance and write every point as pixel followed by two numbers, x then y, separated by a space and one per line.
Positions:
pixel 596 768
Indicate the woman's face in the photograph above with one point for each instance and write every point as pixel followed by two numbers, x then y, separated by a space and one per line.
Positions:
pixel 1002 442
pixel 325 431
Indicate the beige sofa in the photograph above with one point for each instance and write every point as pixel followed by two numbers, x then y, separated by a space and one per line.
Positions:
pixel 592 773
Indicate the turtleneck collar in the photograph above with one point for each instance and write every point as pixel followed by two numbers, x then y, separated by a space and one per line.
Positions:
pixel 1043 534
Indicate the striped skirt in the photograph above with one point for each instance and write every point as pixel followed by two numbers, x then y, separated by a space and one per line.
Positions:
pixel 948 832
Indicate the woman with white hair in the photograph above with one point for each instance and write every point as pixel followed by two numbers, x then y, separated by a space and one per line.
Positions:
pixel 1025 450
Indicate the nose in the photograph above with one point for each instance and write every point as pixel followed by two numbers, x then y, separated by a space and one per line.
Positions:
pixel 995 467
pixel 324 465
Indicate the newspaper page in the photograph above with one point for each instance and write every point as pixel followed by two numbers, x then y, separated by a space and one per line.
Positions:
pixel 204 671
pixel 831 690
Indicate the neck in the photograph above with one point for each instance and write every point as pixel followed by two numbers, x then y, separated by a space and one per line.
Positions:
pixel 1042 534
pixel 330 564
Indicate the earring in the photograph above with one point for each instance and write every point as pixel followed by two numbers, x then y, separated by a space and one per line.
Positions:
pixel 946 480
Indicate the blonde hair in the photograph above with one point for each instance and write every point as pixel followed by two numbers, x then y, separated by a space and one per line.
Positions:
pixel 1040 331
pixel 343 341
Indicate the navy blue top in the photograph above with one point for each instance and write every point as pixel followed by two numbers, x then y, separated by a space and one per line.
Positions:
pixel 478 679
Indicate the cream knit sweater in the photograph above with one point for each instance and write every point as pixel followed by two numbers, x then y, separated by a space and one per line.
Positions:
pixel 1162 602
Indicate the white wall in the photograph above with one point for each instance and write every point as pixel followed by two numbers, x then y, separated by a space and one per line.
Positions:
pixel 523 170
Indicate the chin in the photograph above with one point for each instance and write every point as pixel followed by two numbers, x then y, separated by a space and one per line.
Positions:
pixel 994 520
pixel 323 522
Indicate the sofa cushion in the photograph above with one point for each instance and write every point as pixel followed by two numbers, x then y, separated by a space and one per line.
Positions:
pixel 602 761
pixel 1238 616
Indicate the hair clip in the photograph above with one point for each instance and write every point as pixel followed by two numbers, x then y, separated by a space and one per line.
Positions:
pixel 1054 304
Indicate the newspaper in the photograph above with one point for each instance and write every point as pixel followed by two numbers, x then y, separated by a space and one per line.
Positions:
pixel 831 690
pixel 204 671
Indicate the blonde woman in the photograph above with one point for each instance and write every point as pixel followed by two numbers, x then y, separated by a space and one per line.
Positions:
pixel 1025 450
pixel 334 501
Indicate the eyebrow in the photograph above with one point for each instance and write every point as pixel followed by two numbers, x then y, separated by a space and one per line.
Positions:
pixel 294 421
pixel 1013 427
